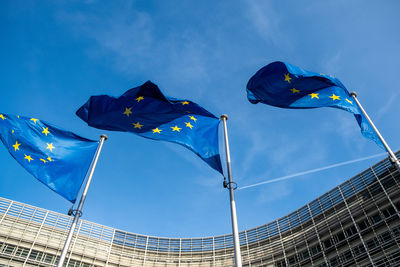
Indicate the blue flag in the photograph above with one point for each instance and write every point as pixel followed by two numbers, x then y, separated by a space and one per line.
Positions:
pixel 145 111
pixel 57 158
pixel 283 85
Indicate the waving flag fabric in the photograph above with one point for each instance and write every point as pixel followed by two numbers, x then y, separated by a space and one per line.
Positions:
pixel 145 111
pixel 283 85
pixel 59 159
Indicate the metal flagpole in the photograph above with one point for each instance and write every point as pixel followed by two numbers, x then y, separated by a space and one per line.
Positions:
pixel 392 156
pixel 231 186
pixel 78 212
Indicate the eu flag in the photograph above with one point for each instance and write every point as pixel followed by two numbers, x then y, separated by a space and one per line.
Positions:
pixel 145 111
pixel 57 158
pixel 284 85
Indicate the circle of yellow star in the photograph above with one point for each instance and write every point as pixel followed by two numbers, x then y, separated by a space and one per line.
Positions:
pixel 335 97
pixel 16 146
pixel 189 125
pixel 28 157
pixel 156 130
pixel 139 98
pixel 137 125
pixel 45 130
pixel 314 95
pixel 287 78
pixel 50 146
pixel 176 128
pixel 128 111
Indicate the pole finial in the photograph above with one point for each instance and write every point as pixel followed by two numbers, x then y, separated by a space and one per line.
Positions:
pixel 224 117
pixel 353 94
pixel 103 136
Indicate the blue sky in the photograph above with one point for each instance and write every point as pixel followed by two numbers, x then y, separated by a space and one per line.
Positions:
pixel 54 55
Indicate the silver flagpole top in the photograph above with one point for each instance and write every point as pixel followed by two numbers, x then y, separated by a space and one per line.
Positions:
pixel 354 94
pixel 224 116
pixel 103 136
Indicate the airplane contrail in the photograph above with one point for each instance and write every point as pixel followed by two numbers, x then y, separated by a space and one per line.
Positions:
pixel 311 171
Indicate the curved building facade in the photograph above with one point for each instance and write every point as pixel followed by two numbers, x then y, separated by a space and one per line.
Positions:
pixel 354 224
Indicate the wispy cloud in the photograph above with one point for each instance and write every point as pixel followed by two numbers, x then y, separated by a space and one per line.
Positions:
pixel 128 37
pixel 273 193
pixel 385 108
pixel 124 32
pixel 265 21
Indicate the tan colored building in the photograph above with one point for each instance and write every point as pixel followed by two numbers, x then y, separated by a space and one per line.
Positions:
pixel 354 224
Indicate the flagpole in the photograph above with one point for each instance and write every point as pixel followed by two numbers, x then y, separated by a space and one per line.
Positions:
pixel 78 212
pixel 231 186
pixel 392 156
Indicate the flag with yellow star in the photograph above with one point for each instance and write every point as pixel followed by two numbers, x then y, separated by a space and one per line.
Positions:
pixel 287 86
pixel 146 111
pixel 57 158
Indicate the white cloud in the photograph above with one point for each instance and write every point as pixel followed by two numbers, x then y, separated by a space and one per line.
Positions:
pixel 273 192
pixel 385 108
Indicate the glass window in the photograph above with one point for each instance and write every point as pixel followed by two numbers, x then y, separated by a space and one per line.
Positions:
pixel 292 260
pixel 48 258
pixel 363 224
pixel 335 261
pixel 9 249
pixel 339 237
pixel 372 243
pixel 388 212
pixel 352 230
pixel 33 255
pixel 347 256
pixel 315 250
pixel 305 255
pixel 376 218
pixel 327 243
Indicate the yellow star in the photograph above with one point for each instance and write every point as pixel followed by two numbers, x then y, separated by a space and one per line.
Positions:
pixel 156 130
pixel 351 102
pixel 137 125
pixel 193 118
pixel 189 125
pixel 128 111
pixel 50 146
pixel 185 103
pixel 16 146
pixel 139 98
pixel 287 78
pixel 34 120
pixel 44 161
pixel 294 90
pixel 12 131
pixel 314 95
pixel 45 130
pixel 29 158
pixel 334 97
pixel 49 159
pixel 2 117
pixel 176 128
